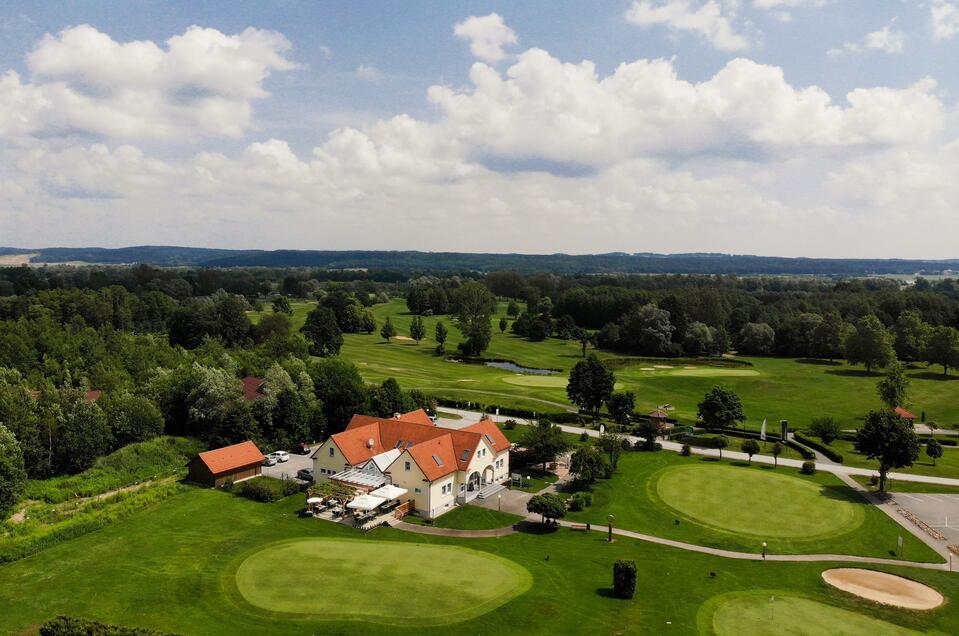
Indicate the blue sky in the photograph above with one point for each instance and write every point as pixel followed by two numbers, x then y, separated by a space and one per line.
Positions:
pixel 800 127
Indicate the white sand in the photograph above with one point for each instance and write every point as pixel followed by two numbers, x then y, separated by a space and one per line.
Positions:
pixel 402 338
pixel 887 589
pixel 663 366
pixel 648 369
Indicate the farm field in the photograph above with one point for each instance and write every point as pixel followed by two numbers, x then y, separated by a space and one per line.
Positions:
pixel 189 565
pixel 732 506
pixel 772 388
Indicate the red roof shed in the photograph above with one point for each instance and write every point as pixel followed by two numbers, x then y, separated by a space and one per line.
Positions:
pixel 230 463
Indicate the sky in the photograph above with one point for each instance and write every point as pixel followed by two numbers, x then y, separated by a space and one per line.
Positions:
pixel 772 127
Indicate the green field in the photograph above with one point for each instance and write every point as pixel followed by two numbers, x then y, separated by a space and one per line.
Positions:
pixel 173 567
pixel 945 466
pixel 773 388
pixel 894 485
pixel 769 614
pixel 471 518
pixel 372 578
pixel 763 504
pixel 733 506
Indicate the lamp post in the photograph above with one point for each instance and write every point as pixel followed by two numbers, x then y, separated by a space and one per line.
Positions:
pixel 499 503
pixel 764 550
pixel 610 519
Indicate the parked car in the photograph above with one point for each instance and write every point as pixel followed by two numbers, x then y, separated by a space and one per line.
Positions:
pixel 280 456
pixel 302 449
pixel 269 460
pixel 306 474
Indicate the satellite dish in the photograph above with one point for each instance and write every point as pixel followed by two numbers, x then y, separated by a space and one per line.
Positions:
pixel 370 442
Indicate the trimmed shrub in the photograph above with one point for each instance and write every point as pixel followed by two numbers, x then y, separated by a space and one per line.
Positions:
pixel 808 468
pixel 580 501
pixel 266 489
pixel 509 425
pixel 802 450
pixel 624 578
pixel 873 480
pixel 72 626
pixel 686 451
pixel 584 436
pixel 825 450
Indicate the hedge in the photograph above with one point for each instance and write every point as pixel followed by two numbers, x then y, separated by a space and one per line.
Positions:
pixel 802 450
pixel 557 417
pixel 822 448
pixel 73 626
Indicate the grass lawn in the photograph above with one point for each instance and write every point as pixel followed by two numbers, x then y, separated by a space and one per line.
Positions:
pixel 535 479
pixel 735 507
pixel 173 567
pixel 893 485
pixel 770 615
pixel 372 577
pixel 945 466
pixel 448 416
pixel 765 448
pixel 471 518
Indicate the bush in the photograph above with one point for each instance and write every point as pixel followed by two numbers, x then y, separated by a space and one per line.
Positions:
pixel 584 436
pixel 825 428
pixel 580 501
pixel 802 450
pixel 71 626
pixel 266 489
pixel 624 578
pixel 509 425
pixel 873 480
pixel 808 468
pixel 825 450
pixel 686 451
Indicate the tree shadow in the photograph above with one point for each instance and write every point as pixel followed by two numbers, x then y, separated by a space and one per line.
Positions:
pixel 932 375
pixel 843 493
pixel 606 592
pixel 709 459
pixel 534 527
pixel 819 362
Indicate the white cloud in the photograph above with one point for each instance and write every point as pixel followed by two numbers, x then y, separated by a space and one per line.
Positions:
pixel 487 35
pixel 945 19
pixel 885 40
pixel 778 4
pixel 202 83
pixel 368 73
pixel 708 20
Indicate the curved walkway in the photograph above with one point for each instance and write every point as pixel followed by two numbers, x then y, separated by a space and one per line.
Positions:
pixel 691 547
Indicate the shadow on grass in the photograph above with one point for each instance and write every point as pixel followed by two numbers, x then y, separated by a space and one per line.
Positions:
pixel 709 459
pixel 532 527
pixel 932 375
pixel 823 363
pixel 853 373
pixel 843 493
pixel 606 592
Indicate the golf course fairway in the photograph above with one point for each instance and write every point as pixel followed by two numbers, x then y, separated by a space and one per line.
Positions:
pixel 371 581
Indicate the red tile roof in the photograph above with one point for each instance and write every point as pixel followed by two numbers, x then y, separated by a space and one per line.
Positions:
pixel 487 427
pixel 426 453
pixel 93 396
pixel 253 387
pixel 228 458
pixel 903 413
pixel 419 416
pixel 659 414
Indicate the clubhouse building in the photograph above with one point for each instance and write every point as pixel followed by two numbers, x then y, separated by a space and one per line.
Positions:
pixel 439 468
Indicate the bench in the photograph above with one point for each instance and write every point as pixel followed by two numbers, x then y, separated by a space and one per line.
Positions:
pixel 580 527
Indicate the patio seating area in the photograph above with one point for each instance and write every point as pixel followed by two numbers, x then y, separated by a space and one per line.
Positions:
pixel 364 511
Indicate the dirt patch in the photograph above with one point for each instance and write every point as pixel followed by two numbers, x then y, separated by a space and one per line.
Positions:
pixel 20 516
pixel 887 589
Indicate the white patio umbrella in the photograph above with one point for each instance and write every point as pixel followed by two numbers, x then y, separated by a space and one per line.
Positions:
pixel 314 500
pixel 365 502
pixel 389 491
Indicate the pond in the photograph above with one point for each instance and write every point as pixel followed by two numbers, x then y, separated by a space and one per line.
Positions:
pixel 515 368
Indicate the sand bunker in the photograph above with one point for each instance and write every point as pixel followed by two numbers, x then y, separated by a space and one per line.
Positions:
pixel 663 366
pixel 689 367
pixel 402 338
pixel 648 369
pixel 887 589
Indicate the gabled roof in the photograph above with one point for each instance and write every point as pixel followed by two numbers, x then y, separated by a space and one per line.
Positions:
pixel 93 396
pixel 418 416
pixel 488 428
pixel 253 387
pixel 903 413
pixel 659 414
pixel 355 444
pixel 229 458
pixel 435 457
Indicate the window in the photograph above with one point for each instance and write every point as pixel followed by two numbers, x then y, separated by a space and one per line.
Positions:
pixel 436 458
pixel 406 465
pixel 399 443
pixel 332 451
pixel 466 454
pixel 417 491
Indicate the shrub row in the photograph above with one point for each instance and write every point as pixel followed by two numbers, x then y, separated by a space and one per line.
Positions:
pixel 73 626
pixel 822 448
pixel 266 489
pixel 801 449
pixel 564 417
pixel 944 442
pixel 97 515
pixel 735 432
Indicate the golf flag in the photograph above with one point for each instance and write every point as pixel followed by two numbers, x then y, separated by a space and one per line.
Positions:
pixel 762 431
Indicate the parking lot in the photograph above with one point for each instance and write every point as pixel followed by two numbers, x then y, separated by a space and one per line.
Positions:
pixel 287 470
pixel 939 511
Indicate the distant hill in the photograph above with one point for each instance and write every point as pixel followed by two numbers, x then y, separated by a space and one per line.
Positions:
pixel 641 263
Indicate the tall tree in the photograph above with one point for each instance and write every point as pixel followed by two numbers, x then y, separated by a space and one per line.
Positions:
pixel 132 418
pixel 550 506
pixel 588 464
pixel 869 343
pixel 757 338
pixel 621 407
pixel 281 304
pixel 647 330
pixel 417 329
pixel 933 450
pixel 368 324
pixel 323 332
pixel 474 306
pixel 893 386
pixel 911 335
pixel 891 440
pixel 388 330
pixel 441 334
pixel 590 384
pixel 827 337
pixel 721 408
pixel 13 476
pixel 544 442
pixel 942 347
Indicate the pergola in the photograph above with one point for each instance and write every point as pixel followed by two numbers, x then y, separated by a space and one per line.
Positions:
pixel 366 502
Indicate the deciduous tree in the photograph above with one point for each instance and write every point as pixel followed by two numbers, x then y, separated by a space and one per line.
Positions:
pixel 590 384
pixel 721 408
pixel 869 343
pixel 323 332
pixel 890 440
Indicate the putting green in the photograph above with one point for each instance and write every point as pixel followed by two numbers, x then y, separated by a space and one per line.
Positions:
pixel 371 581
pixel 773 615
pixel 762 504
pixel 544 381
pixel 714 372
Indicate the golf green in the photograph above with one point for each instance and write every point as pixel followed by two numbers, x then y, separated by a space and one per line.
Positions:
pixel 372 580
pixel 545 381
pixel 773 615
pixel 762 504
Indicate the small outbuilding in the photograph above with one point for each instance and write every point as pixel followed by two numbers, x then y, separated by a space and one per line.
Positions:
pixel 228 464
pixel 904 414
